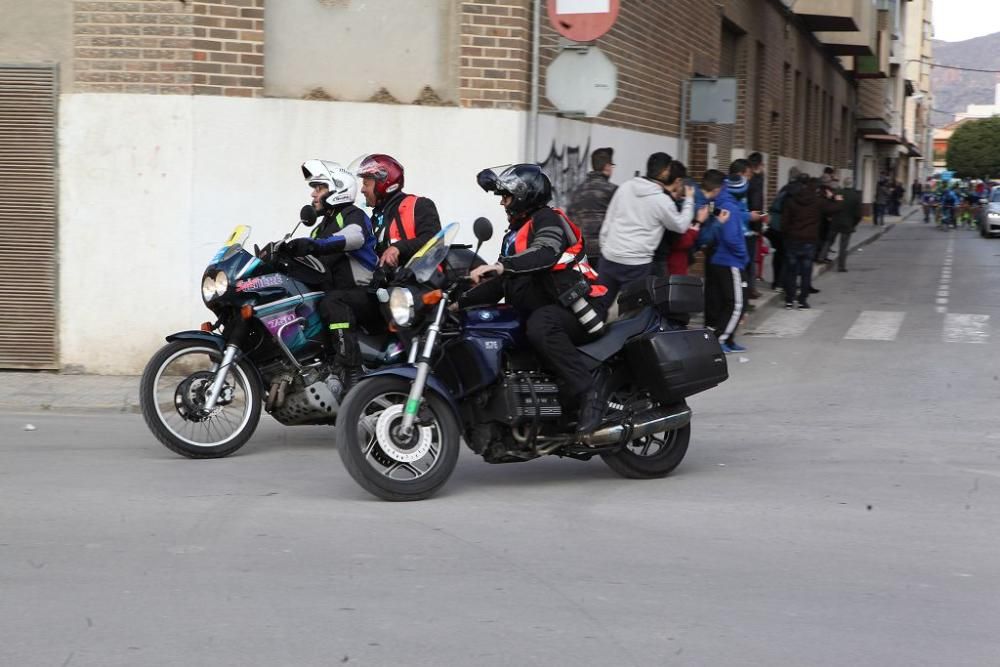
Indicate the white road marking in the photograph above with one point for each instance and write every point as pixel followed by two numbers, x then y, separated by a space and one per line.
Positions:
pixel 787 323
pixel 960 328
pixel 876 325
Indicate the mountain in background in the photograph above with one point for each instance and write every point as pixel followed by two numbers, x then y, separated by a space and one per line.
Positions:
pixel 954 89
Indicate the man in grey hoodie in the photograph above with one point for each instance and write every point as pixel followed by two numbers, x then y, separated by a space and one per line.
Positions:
pixel 637 217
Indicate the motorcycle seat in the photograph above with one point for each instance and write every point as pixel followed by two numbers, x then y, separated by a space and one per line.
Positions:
pixel 617 333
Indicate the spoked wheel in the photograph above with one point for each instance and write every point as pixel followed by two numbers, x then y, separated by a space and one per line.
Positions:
pixel 173 392
pixel 379 457
pixel 651 456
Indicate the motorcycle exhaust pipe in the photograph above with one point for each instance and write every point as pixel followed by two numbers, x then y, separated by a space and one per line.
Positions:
pixel 645 423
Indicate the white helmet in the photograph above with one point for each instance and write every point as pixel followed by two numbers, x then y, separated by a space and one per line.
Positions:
pixel 342 183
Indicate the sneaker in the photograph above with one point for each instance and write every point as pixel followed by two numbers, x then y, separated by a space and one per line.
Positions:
pixel 726 349
pixel 804 306
pixel 813 290
pixel 735 347
pixel 841 270
pixel 789 305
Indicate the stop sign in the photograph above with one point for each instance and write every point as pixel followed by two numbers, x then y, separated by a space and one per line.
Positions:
pixel 582 20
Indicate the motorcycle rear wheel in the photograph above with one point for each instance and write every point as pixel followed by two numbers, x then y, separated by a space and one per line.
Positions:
pixel 168 399
pixel 650 457
pixel 377 460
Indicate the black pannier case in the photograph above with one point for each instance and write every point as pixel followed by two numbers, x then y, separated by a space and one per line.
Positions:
pixel 673 365
pixel 671 295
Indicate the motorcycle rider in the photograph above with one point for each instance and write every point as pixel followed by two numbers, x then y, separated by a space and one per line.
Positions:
pixel 402 223
pixel 543 273
pixel 344 241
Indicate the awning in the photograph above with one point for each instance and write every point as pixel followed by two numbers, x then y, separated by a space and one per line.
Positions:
pixel 913 151
pixel 883 138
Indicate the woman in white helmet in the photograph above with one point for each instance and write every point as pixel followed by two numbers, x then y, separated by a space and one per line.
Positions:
pixel 344 242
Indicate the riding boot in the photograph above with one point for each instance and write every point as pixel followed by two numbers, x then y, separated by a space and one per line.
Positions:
pixel 591 412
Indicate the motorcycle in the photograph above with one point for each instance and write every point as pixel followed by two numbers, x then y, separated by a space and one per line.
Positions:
pixel 470 373
pixel 202 393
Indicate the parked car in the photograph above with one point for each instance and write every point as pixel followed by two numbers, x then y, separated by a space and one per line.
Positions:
pixel 989 221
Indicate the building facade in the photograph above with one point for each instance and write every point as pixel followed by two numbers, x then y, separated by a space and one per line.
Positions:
pixel 157 126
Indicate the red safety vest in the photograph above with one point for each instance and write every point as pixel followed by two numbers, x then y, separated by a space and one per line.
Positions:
pixel 572 258
pixel 405 219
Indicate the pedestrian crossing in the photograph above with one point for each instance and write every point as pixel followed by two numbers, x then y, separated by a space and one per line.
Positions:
pixel 874 325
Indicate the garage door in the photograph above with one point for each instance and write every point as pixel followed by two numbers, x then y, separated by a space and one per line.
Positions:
pixel 28 217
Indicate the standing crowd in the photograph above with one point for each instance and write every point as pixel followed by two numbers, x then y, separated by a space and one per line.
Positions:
pixel 655 223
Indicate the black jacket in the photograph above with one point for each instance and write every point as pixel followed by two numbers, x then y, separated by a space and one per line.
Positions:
pixel 527 282
pixel 803 214
pixel 338 264
pixel 426 223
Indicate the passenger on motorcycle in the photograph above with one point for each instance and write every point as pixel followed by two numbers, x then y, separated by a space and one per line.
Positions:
pixel 344 241
pixel 543 273
pixel 403 223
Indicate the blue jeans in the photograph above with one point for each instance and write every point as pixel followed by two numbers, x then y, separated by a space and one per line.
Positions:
pixel 798 265
pixel 615 276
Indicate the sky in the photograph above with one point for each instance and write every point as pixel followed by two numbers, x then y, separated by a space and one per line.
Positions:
pixel 958 20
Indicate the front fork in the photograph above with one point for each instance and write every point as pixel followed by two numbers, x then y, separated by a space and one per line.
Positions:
pixel 415 397
pixel 228 356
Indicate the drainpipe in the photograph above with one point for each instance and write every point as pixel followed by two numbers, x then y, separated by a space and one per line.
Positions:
pixel 531 136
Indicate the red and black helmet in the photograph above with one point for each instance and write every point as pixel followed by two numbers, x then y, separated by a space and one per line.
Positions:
pixel 385 170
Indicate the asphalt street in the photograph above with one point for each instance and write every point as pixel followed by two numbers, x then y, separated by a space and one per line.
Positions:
pixel 838 506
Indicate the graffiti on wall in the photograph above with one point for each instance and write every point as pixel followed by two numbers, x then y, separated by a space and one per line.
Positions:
pixel 566 169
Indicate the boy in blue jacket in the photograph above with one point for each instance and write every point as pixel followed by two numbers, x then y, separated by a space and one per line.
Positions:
pixel 725 277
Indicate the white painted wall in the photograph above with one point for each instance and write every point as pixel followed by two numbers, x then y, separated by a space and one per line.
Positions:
pixel 152 184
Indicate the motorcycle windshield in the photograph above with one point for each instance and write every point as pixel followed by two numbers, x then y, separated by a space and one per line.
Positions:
pixel 233 244
pixel 425 261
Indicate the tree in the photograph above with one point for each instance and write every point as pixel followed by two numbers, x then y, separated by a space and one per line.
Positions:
pixel 974 149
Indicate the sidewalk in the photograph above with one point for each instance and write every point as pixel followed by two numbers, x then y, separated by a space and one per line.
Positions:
pixel 865 234
pixel 58 392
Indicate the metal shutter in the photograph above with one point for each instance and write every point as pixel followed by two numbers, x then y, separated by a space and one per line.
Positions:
pixel 28 216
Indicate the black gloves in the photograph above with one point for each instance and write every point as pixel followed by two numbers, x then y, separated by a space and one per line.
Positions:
pixel 300 247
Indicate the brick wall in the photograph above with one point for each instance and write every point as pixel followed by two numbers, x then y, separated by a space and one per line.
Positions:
pixel 495 53
pixel 228 48
pixel 169 47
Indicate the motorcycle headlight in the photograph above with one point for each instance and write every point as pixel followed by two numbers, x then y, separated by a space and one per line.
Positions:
pixel 215 286
pixel 401 306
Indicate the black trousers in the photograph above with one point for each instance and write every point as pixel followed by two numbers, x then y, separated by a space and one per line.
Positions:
pixel 343 311
pixel 777 257
pixel 554 332
pixel 614 276
pixel 845 240
pixel 725 297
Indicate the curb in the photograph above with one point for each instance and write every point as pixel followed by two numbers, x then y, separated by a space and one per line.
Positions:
pixel 819 269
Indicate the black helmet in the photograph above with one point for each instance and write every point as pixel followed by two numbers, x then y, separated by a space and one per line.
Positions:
pixel 526 183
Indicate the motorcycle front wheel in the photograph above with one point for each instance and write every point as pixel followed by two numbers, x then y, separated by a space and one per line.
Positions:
pixel 172 395
pixel 379 458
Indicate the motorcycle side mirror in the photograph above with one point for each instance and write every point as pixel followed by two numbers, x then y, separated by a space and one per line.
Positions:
pixel 307 216
pixel 483 229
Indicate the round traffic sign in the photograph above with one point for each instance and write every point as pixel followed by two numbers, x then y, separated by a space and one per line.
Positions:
pixel 582 20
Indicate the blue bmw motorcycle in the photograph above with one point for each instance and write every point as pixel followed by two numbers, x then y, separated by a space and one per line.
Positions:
pixel 469 373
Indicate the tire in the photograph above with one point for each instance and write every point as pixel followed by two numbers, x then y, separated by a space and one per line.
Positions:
pixel 373 460
pixel 628 463
pixel 167 424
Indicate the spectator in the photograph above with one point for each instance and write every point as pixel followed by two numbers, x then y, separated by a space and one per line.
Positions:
pixel 896 197
pixel 589 202
pixel 845 221
pixel 881 202
pixel 634 224
pixel 673 256
pixel 774 233
pixel 916 190
pixel 755 204
pixel 725 274
pixel 800 221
